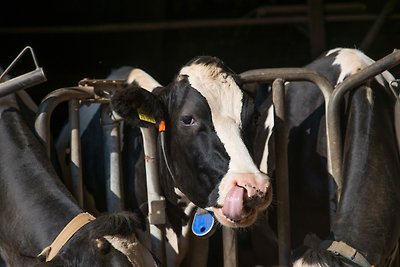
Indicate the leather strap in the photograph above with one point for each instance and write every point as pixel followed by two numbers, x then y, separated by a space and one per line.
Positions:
pixel 346 251
pixel 69 230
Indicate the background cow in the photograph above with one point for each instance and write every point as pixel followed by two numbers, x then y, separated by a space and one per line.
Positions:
pixel 35 206
pixel 368 214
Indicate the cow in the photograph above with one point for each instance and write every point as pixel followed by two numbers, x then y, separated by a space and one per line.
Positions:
pixel 365 226
pixel 209 123
pixel 207 117
pixel 41 223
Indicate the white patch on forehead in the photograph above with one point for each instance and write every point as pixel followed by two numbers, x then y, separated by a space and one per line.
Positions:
pixel 268 125
pixel 143 79
pixel 225 100
pixel 352 60
pixel 220 90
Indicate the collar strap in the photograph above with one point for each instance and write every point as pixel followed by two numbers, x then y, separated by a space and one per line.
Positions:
pixel 69 230
pixel 342 249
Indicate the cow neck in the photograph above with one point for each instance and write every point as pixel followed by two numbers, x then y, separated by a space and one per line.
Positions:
pixel 66 233
pixel 202 217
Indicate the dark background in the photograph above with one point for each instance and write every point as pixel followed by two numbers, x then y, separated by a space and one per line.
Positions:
pixel 71 39
pixel 74 39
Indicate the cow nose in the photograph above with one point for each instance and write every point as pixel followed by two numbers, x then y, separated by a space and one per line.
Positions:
pixel 253 197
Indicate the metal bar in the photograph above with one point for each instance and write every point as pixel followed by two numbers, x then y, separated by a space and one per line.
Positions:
pixel 156 200
pixel 282 190
pixel 23 81
pixel 189 24
pixel 47 106
pixel 295 74
pixel 316 26
pixel 290 9
pixel 112 160
pixel 333 114
pixel 377 26
pixel 288 74
pixel 76 165
pixel 230 247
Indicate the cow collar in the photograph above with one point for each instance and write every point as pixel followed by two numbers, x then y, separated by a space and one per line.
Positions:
pixel 69 230
pixel 340 248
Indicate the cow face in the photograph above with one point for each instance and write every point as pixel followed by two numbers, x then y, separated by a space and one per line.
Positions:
pixel 205 112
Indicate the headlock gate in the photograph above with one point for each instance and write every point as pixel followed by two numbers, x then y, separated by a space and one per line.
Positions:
pixel 99 91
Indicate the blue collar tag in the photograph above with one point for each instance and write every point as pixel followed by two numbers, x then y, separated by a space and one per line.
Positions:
pixel 203 223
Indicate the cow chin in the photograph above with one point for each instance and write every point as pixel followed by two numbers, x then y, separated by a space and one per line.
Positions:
pixel 246 221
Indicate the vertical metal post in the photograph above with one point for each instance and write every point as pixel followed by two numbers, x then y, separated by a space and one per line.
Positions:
pixel 76 169
pixel 316 25
pixel 230 246
pixel 282 190
pixel 112 154
pixel 156 201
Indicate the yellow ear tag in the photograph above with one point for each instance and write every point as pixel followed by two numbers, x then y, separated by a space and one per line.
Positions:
pixel 143 116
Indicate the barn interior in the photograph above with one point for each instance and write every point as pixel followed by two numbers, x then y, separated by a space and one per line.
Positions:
pixel 73 40
pixel 87 39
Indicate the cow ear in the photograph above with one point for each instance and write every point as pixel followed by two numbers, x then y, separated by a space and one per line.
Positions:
pixel 137 106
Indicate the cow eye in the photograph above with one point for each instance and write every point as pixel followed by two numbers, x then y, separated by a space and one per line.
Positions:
pixel 188 120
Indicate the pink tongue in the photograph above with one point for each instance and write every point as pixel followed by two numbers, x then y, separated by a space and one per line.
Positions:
pixel 233 206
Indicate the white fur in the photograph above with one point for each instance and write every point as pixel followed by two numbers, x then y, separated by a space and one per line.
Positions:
pixel 143 79
pixel 300 263
pixel 269 124
pixel 225 100
pixel 352 61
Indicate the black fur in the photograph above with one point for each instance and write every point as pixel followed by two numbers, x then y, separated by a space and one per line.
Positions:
pixel 35 206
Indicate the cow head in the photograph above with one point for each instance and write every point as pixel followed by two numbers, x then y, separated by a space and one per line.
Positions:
pixel 206 115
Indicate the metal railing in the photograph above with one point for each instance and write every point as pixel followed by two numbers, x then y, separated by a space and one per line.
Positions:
pixel 23 81
pixel 95 91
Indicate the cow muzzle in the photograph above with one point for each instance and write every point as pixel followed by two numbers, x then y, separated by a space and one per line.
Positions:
pixel 243 197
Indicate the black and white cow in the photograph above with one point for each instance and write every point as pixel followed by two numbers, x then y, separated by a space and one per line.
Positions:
pixel 35 207
pixel 207 116
pixel 209 123
pixel 366 226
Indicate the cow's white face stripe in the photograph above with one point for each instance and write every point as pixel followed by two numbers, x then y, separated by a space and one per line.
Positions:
pixel 268 125
pixel 225 100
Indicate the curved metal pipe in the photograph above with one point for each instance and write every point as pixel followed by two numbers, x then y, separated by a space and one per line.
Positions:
pixel 333 113
pixel 279 76
pixel 49 103
pixel 296 74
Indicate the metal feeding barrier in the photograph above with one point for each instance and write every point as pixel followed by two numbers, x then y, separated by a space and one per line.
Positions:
pixel 333 99
pixel 98 91
pixel 23 81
